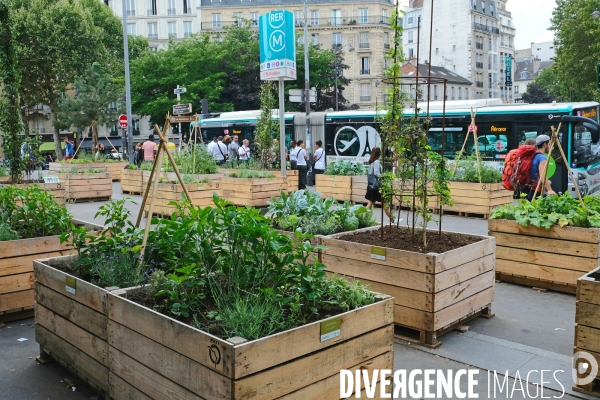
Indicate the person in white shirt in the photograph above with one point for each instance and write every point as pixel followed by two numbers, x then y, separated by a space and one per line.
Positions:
pixel 319 158
pixel 292 154
pixel 219 151
pixel 301 164
pixel 211 144
pixel 244 151
pixel 233 148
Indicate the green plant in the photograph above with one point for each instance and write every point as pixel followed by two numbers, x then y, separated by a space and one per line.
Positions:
pixel 146 166
pixel 467 171
pixel 345 168
pixel 250 174
pixel 192 160
pixel 3 171
pixel 7 233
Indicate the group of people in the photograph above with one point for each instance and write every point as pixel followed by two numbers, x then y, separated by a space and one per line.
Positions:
pixel 227 148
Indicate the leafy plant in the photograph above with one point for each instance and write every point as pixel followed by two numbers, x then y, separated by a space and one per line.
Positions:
pixel 467 171
pixel 7 233
pixel 249 174
pixel 345 168
pixel 192 160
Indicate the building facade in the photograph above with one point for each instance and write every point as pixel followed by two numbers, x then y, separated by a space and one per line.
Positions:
pixel 544 51
pixel 507 53
pixel 410 33
pixel 457 87
pixel 525 73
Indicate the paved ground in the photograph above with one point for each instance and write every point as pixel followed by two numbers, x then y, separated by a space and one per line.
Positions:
pixel 531 331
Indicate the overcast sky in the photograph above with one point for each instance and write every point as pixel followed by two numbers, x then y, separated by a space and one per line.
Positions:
pixel 531 18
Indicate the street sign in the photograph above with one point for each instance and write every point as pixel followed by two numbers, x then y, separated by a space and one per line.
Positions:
pixel 297 96
pixel 182 109
pixel 297 99
pixel 277 45
pixel 508 71
pixel 296 92
pixel 123 121
pixel 183 118
pixel 179 90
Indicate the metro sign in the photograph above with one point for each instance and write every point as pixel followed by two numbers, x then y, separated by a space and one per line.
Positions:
pixel 277 45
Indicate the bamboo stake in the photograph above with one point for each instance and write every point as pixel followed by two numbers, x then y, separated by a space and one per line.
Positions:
pixel 544 178
pixel 172 161
pixel 569 170
pixel 474 130
pixel 111 144
pixel 80 143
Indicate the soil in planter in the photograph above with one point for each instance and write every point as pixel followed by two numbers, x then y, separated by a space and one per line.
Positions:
pixel 401 239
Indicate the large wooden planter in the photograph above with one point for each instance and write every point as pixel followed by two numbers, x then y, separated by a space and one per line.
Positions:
pixel 154 356
pixel 255 192
pixel 131 181
pixel 336 186
pixel 477 198
pixel 16 270
pixel 359 189
pixel 432 292
pixel 114 168
pixel 587 329
pixel 293 179
pixel 56 190
pixel 552 259
pixel 87 187
pixel 201 195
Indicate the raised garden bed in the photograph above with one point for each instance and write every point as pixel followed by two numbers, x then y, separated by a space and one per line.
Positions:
pixel 16 270
pixel 201 195
pixel 56 190
pixel 433 292
pixel 87 186
pixel 115 168
pixel 132 181
pixel 587 330
pixel 359 189
pixel 477 198
pixel 552 259
pixel 253 192
pixel 337 186
pixel 160 357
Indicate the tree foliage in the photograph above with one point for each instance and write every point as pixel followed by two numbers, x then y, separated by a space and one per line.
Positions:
pixel 537 94
pixel 265 125
pixel 577 50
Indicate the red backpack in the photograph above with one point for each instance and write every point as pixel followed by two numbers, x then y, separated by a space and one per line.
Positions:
pixel 517 169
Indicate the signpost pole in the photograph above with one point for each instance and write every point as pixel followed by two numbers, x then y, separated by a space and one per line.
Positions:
pixel 127 86
pixel 179 102
pixel 282 126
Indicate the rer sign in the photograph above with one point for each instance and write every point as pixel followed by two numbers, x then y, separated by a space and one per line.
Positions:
pixel 277 45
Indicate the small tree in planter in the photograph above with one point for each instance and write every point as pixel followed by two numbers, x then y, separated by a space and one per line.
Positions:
pixel 265 126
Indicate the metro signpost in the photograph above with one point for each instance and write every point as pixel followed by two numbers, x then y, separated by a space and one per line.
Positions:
pixel 278 59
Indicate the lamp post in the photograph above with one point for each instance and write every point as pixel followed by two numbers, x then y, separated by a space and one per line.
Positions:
pixel 337 52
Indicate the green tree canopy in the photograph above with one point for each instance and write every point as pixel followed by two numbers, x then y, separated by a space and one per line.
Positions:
pixel 537 94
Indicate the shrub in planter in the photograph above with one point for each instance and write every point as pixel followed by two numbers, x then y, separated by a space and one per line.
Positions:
pixel 254 188
pixel 86 161
pixel 169 192
pixel 547 243
pixel 338 178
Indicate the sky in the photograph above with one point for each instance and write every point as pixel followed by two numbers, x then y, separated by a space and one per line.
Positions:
pixel 531 18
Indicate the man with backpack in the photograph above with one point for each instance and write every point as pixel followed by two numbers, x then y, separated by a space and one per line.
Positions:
pixel 538 166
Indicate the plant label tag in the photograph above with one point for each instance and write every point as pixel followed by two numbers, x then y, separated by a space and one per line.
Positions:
pixel 71 284
pixel 51 179
pixel 332 178
pixel 378 253
pixel 331 328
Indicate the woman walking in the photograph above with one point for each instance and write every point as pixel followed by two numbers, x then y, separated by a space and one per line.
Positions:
pixel 319 158
pixel 292 154
pixel 301 164
pixel 375 168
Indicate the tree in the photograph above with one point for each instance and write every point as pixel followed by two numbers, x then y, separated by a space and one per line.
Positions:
pixel 577 49
pixel 537 94
pixel 90 108
pixel 10 119
pixel 265 125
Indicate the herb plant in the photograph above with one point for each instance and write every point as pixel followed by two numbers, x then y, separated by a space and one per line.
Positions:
pixel 249 174
pixel 467 171
pixel 345 168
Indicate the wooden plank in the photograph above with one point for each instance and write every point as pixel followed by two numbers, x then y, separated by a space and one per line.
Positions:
pixel 568 233
pixel 71 355
pixel 121 390
pixel 329 388
pixel 454 258
pixel 448 279
pixel 551 274
pixel 588 290
pixel 16 300
pixel 89 187
pixel 164 361
pixel 587 338
pixel 34 246
pixel 452 314
pixel 464 289
pixel 286 378
pixel 173 334
pixel 523 280
pixel 587 314
pixel 82 316
pixel 87 294
pixel 267 352
pixel 389 275
pixel 322 179
pixel 16 283
pixel 92 345
pixel 146 380
pixel 483 187
pixel 413 318
pixel 559 246
pixel 547 259
pixel 21 264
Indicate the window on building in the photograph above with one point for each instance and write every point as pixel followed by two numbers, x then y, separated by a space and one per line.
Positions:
pixel 365 66
pixel 173 30
pixel 152 30
pixel 466 94
pixel 409 21
pixel 452 93
pixel 384 16
pixel 237 16
pixel 131 30
pixel 437 50
pixel 315 38
pixel 363 40
pixel 363 15
pixel 336 39
pixel 410 36
pixel 386 40
pixel 254 19
pixel 365 92
pixel 483 7
pixel 130 7
pixel 187 6
pixel 216 21
pixel 171 7
pixel 460 93
pixel 492 8
pixel 411 53
pixel 314 17
pixel 153 48
pixel 298 18
pixel 187 29
pixel 435 92
pixel 336 17
pixel 475 5
pixel 453 47
pixel 151 7
pixel 517 89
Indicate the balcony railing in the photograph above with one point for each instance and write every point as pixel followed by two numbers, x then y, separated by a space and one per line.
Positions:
pixel 171 11
pixel 130 12
pixel 342 21
pixel 363 45
pixel 386 46
pixel 336 46
pixel 217 24
pixel 479 65
pixel 365 71
pixel 365 98
pixel 479 46
pixel 485 28
pixel 187 34
pixel 479 84
pixel 187 10
pixel 153 36
pixel 151 12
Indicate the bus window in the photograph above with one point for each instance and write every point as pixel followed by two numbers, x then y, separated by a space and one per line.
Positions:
pixel 454 136
pixel 493 141
pixel 584 153
pixel 525 132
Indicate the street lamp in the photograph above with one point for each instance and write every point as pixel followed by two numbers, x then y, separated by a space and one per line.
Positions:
pixel 337 52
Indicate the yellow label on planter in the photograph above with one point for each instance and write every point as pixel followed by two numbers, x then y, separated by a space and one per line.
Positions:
pixel 378 253
pixel 331 328
pixel 71 284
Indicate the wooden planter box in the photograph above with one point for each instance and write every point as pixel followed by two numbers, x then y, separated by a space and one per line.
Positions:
pixel 477 198
pixel 16 270
pixel 337 186
pixel 552 259
pixel 432 292
pixel 154 356
pixel 359 189
pixel 587 327
pixel 255 192
pixel 116 169
pixel 201 193
pixel 293 179
pixel 131 181
pixel 71 323
pixel 87 187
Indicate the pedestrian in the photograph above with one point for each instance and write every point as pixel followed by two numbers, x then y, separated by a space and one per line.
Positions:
pixel 233 149
pixel 319 158
pixel 150 149
pixel 274 152
pixel 375 169
pixel 293 154
pixel 219 151
pixel 301 158
pixel 244 152
pixel 99 150
pixel 211 144
pixel 138 154
pixel 69 149
pixel 538 166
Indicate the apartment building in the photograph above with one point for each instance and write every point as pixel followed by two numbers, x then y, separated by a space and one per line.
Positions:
pixel 507 53
pixel 410 33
